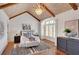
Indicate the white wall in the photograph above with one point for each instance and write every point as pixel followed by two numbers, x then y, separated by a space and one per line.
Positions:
pixel 15 24
pixel 3 40
pixel 65 16
pixel 62 17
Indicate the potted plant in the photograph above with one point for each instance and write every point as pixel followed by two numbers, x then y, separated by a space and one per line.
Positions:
pixel 67 31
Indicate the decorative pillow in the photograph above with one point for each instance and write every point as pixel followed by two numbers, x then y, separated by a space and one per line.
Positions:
pixel 27 35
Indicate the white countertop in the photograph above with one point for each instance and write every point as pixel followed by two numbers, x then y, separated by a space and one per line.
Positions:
pixel 70 37
pixel 74 37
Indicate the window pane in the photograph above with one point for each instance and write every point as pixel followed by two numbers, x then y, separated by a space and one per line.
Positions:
pixel 47 22
pixel 46 30
pixel 49 29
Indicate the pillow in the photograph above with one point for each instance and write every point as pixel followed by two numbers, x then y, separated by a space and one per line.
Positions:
pixel 27 34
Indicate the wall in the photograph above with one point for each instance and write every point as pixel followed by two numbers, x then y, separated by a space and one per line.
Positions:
pixel 62 17
pixel 66 16
pixel 3 40
pixel 15 24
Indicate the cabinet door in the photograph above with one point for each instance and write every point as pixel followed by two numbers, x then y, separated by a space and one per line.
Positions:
pixel 61 44
pixel 73 46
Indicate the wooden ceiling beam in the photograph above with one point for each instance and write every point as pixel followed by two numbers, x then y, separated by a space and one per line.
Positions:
pixel 17 15
pixel 6 5
pixel 74 6
pixel 33 15
pixel 45 7
pixel 23 13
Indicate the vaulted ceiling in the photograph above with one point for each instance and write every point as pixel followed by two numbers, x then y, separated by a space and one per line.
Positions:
pixel 49 9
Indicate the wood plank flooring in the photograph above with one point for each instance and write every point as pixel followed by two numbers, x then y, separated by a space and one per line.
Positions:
pixel 52 51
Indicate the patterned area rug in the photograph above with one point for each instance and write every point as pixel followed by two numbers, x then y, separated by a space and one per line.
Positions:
pixel 31 50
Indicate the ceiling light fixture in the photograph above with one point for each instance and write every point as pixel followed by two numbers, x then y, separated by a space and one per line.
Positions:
pixel 38 10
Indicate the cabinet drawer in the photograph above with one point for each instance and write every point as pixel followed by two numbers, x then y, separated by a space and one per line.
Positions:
pixel 73 40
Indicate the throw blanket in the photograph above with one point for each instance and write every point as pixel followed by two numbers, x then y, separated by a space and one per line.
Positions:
pixel 31 39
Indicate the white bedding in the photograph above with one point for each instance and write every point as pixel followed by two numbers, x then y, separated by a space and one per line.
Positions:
pixel 25 42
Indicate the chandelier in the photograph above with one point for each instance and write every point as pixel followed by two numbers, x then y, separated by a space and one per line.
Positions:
pixel 38 9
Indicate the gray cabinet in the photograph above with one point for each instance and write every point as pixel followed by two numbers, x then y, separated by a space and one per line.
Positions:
pixel 68 45
pixel 61 44
pixel 73 46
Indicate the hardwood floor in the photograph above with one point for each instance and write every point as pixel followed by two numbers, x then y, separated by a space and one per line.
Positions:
pixel 8 49
pixel 52 51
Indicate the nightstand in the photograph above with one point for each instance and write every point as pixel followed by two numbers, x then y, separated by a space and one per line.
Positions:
pixel 16 41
